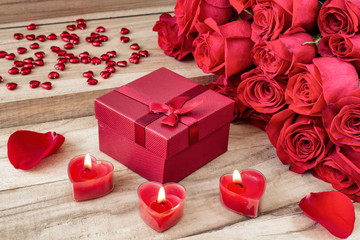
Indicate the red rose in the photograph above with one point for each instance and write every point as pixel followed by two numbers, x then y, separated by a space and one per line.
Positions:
pixel 344 47
pixel 273 17
pixel 339 16
pixel 339 170
pixel 188 12
pixel 168 39
pixel 299 140
pixel 312 87
pixel 277 57
pixel 263 94
pixel 228 89
pixel 257 119
pixel 223 49
pixel 342 121
pixel 241 5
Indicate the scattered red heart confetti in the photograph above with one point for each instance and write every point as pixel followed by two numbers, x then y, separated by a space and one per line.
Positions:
pixel 34 46
pixel 95 38
pixel 124 39
pixel 92 81
pixel 52 36
pixel 59 66
pixel 110 69
pixel 96 43
pixel 88 74
pixel 46 85
pixel 31 26
pixel 39 54
pixel 10 56
pixel 80 21
pixel 13 71
pixel 124 31
pixel 111 54
pixel 95 61
pixel 28 65
pixel 55 49
pixel 134 60
pixel 121 63
pixel 3 54
pixel 41 38
pixel 18 36
pixel 11 86
pixel 100 29
pixel 71 27
pixel 39 62
pixel 34 83
pixel 81 25
pixel 105 57
pixel 69 46
pixel 25 71
pixel 27 148
pixel 103 38
pixel 110 63
pixel 30 37
pixel 74 60
pixel 105 74
pixel 21 50
pixel 135 46
pixel 53 75
pixel 1 79
pixel 18 63
pixel 144 53
pixel 28 60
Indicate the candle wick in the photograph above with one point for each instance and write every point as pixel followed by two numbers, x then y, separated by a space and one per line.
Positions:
pixel 240 185
pixel 162 203
pixel 87 169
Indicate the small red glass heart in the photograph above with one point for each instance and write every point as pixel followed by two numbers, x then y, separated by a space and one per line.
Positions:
pixel 161 215
pixel 248 198
pixel 92 181
pixel 27 148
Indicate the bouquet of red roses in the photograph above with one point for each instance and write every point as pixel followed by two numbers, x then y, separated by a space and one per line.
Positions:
pixel 303 91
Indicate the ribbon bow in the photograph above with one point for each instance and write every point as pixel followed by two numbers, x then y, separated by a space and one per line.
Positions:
pixel 174 109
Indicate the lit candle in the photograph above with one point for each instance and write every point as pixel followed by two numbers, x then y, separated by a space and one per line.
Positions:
pixel 161 206
pixel 90 178
pixel 242 192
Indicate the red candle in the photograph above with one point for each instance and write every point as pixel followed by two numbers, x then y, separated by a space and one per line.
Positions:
pixel 161 206
pixel 90 178
pixel 242 192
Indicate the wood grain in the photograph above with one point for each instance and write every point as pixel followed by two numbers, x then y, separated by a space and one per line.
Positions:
pixel 14 11
pixel 37 204
pixel 71 96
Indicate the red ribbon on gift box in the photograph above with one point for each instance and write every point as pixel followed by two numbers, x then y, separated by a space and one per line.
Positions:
pixel 173 109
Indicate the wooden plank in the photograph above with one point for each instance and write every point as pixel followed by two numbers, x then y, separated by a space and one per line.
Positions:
pixel 15 11
pixel 71 96
pixel 37 204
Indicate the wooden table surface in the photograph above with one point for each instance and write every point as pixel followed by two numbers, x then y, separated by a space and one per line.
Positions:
pixel 37 203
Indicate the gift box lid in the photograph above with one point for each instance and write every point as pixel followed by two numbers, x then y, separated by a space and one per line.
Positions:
pixel 126 111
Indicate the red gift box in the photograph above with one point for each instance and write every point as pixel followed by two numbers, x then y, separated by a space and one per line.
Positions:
pixel 136 137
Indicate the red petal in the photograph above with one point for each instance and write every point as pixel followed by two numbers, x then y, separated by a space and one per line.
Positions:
pixel 27 148
pixel 333 210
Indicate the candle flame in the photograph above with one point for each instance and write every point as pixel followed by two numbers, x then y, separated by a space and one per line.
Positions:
pixel 236 176
pixel 87 161
pixel 161 196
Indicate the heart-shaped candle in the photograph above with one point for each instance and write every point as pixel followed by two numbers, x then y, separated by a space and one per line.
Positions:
pixel 161 206
pixel 242 192
pixel 90 178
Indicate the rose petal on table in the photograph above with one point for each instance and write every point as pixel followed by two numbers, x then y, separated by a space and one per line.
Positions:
pixel 333 210
pixel 27 148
